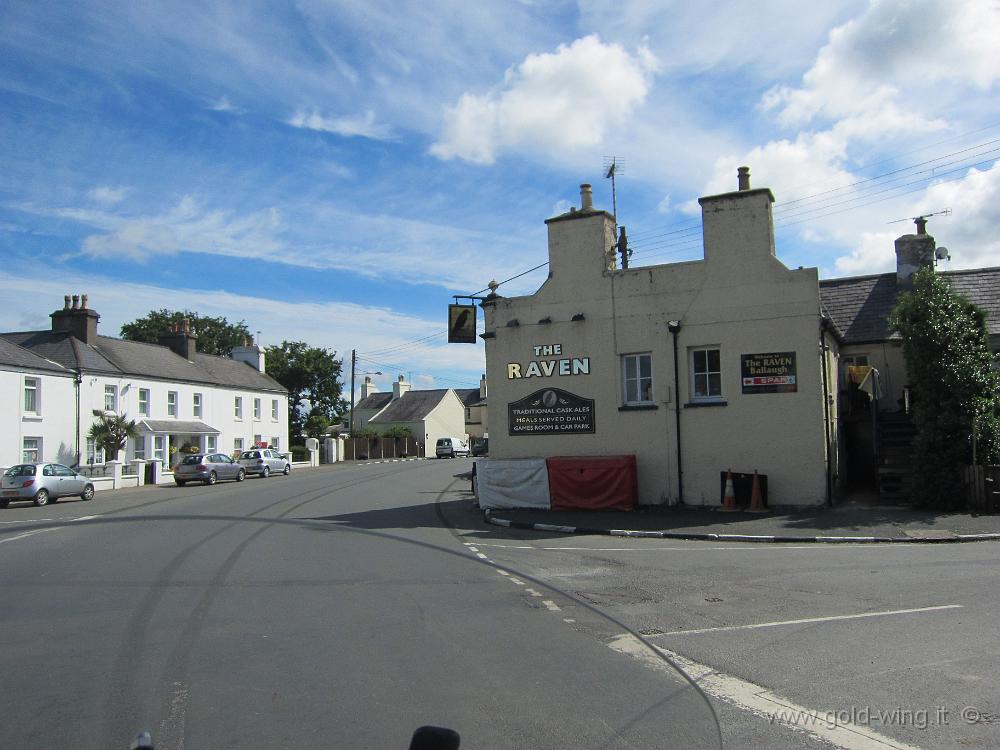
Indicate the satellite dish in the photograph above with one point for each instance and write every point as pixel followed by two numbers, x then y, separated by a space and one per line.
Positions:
pixel 942 253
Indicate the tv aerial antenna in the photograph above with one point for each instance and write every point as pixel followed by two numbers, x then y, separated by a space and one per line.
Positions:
pixel 921 221
pixel 613 166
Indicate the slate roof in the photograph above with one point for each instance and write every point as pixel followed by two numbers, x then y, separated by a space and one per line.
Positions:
pixel 470 396
pixel 13 355
pixel 859 306
pixel 412 406
pixel 121 357
pixel 374 401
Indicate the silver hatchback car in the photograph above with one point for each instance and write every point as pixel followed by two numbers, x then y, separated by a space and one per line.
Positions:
pixel 265 461
pixel 43 483
pixel 208 468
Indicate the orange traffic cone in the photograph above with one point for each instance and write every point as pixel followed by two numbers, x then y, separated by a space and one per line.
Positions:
pixel 729 498
pixel 756 497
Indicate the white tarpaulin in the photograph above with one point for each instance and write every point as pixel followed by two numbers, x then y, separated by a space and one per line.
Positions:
pixel 512 483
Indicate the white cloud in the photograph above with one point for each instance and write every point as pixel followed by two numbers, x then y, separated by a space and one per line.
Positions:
pixel 349 126
pixel 560 101
pixel 874 253
pixel 222 104
pixel 665 205
pixel 107 196
pixel 894 47
pixel 340 326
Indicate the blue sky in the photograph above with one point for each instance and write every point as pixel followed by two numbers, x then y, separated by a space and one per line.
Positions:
pixel 334 171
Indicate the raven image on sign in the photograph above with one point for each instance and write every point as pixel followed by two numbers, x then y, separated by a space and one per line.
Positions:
pixel 461 324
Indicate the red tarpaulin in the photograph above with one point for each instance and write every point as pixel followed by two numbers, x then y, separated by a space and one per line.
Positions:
pixel 593 482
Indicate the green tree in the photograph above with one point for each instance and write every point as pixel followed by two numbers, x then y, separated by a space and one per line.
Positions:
pixel 316 425
pixel 112 432
pixel 215 335
pixel 398 431
pixel 954 386
pixel 312 377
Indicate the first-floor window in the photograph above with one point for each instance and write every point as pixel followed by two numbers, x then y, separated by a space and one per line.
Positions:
pixel 637 375
pixel 110 398
pixel 706 374
pixel 144 402
pixel 95 452
pixel 31 395
pixel 140 448
pixel 196 405
pixel 31 450
pixel 256 408
pixel 274 409
pixel 159 448
pixel 238 407
pixel 171 403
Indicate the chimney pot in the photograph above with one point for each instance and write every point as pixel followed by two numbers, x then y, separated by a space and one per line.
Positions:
pixel 83 302
pixel 76 301
pixel 921 222
pixel 743 178
pixel 66 302
pixel 586 197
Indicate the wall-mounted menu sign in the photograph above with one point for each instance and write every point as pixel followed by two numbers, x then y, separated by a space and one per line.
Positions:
pixel 550 411
pixel 773 372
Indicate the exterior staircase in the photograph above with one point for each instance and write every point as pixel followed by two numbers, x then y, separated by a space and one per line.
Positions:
pixel 895 470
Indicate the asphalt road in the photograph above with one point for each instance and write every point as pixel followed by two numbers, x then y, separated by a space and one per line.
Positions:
pixel 336 607
pixel 861 646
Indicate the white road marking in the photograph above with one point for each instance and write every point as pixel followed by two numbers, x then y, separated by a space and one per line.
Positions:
pixel 533 592
pixel 551 606
pixel 481 556
pixel 570 620
pixel 25 535
pixel 172 727
pixel 473 549
pixel 503 572
pixel 776 709
pixel 807 620
pixel 517 581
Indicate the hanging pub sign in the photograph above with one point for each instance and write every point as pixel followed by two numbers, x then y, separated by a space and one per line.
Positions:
pixel 550 411
pixel 773 372
pixel 461 324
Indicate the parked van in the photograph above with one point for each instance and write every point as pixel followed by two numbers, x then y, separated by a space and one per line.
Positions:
pixel 450 447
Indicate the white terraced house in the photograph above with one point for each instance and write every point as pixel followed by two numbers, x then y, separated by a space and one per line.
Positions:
pixel 55 383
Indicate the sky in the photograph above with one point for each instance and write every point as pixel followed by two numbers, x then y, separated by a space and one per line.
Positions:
pixel 334 172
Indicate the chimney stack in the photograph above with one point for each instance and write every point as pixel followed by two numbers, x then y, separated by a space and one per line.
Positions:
pixel 79 322
pixel 586 197
pixel 368 387
pixel 913 252
pixel 743 178
pixel 399 388
pixel 250 353
pixel 180 340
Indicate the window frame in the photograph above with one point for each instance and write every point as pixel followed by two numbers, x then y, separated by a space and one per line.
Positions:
pixel 197 404
pixel 274 410
pixel 36 391
pixel 139 448
pixel 693 375
pixel 25 450
pixel 172 404
pixel 238 408
pixel 256 409
pixel 637 379
pixel 95 453
pixel 144 402
pixel 238 445
pixel 112 391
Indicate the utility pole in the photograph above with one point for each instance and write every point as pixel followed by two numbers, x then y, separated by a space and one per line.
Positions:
pixel 354 364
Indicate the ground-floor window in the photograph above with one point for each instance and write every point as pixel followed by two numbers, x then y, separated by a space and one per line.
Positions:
pixel 140 448
pixel 274 442
pixel 210 444
pixel 31 450
pixel 95 452
pixel 238 445
pixel 706 374
pixel 159 448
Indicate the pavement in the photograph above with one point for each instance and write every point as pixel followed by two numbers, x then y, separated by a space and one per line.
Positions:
pixel 847 523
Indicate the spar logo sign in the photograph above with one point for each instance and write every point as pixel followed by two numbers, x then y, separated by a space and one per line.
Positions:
pixel 773 372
